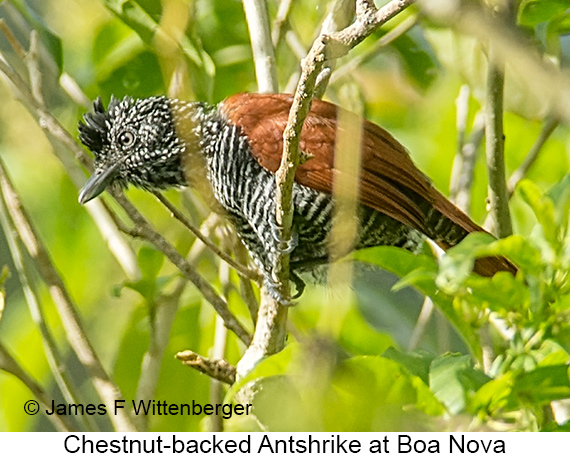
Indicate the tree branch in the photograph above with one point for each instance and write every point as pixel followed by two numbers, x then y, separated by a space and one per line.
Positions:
pixel 269 336
pixel 547 129
pixel 9 365
pixel 263 52
pixel 498 199
pixel 166 307
pixel 463 170
pixel 34 102
pixel 240 268
pixel 219 369
pixel 55 359
pixel 67 309
pixel 145 230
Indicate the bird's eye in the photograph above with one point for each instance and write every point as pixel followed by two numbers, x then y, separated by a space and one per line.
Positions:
pixel 126 139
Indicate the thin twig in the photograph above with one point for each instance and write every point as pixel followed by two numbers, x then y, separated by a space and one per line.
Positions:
pixel 53 127
pixel 463 182
pixel 53 355
pixel 498 200
pixel 219 369
pixel 240 268
pixel 16 46
pixel 67 309
pixel 281 21
pixel 421 324
pixel 263 52
pixel 462 173
pixel 144 229
pixel 216 423
pixel 348 68
pixel 9 365
pixel 165 307
pixel 341 13
pixel 547 129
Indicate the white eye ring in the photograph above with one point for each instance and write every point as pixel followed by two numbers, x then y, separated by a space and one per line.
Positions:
pixel 127 138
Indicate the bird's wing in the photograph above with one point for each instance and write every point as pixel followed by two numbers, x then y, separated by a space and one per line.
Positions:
pixel 389 181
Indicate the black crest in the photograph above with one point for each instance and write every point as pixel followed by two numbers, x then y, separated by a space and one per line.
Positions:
pixel 94 132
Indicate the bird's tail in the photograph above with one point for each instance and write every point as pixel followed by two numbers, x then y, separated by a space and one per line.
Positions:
pixel 455 225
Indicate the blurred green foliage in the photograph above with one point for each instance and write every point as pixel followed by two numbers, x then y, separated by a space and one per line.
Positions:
pixel 347 366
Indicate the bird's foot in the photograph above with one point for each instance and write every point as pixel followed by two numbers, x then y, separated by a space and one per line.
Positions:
pixel 272 286
pixel 284 246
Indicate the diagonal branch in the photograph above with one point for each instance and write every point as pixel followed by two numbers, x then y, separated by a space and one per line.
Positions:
pixel 240 268
pixel 325 47
pixel 67 309
pixel 146 231
pixel 10 365
pixel 547 129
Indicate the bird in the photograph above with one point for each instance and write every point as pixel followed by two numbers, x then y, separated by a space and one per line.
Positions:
pixel 230 153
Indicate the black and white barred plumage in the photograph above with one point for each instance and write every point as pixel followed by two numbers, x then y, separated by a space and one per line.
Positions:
pixel 156 143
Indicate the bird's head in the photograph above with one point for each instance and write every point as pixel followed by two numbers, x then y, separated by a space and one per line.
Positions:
pixel 134 142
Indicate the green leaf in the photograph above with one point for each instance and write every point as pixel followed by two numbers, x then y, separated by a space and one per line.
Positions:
pixel 560 196
pixel 396 260
pixel 419 58
pixel 533 12
pixel 369 383
pixel 543 209
pixel 150 262
pixel 452 377
pixel 416 363
pixel 492 396
pixel 502 293
pixel 202 68
pixel 543 384
pixel 404 263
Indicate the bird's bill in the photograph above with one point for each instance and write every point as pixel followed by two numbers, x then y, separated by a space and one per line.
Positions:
pixel 97 183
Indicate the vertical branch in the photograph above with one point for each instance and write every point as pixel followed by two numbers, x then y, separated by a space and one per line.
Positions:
pixel 216 423
pixel 495 147
pixel 166 308
pixel 270 330
pixel 261 44
pixel 498 198
pixel 463 170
